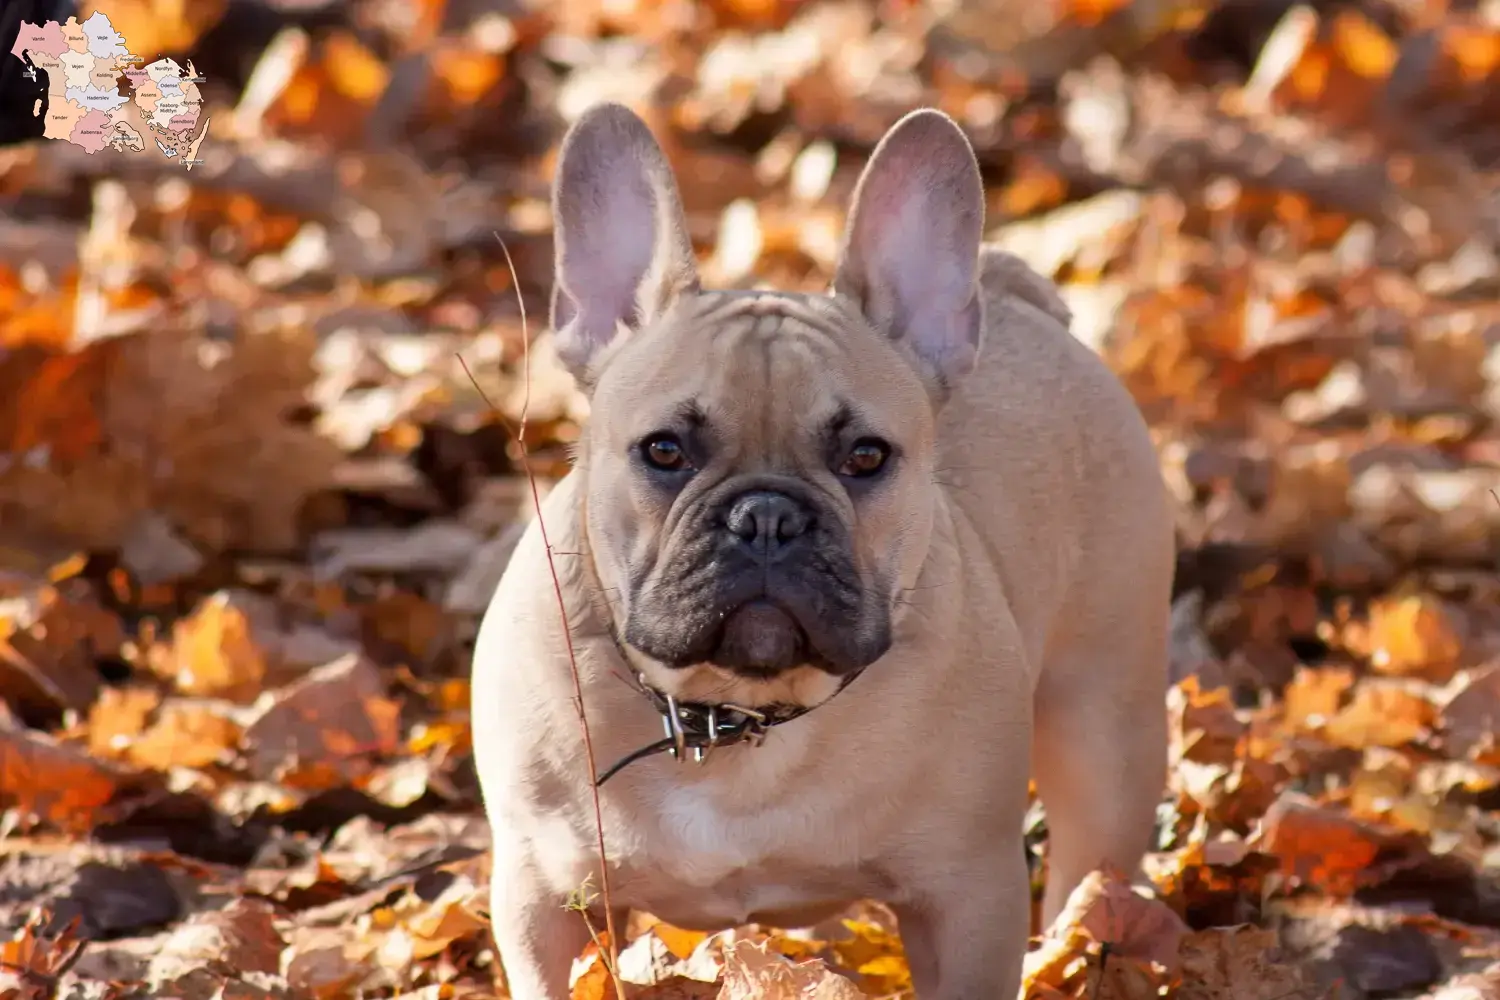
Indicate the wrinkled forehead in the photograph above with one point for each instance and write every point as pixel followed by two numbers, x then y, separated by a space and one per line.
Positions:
pixel 742 356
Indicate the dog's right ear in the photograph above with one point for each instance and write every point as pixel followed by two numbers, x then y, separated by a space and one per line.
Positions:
pixel 621 242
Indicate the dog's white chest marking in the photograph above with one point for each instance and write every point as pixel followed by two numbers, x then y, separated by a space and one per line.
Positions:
pixel 691 820
pixel 723 851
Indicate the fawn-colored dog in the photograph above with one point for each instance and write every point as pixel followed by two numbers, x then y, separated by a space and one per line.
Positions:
pixel 870 557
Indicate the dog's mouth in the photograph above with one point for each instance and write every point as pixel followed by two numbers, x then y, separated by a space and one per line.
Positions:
pixel 760 639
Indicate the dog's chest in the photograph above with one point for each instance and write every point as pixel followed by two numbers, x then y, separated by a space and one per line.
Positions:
pixel 707 860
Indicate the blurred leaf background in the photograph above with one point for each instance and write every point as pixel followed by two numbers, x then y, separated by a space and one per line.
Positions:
pixel 251 507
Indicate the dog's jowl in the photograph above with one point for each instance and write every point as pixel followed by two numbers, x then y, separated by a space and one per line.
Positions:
pixel 860 562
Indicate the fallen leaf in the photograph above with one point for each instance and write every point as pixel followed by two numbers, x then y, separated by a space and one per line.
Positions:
pixel 1109 910
pixel 448 918
pixel 36 957
pixel 1417 635
pixel 50 637
pixel 876 953
pixel 231 943
pixel 1316 695
pixel 186 734
pixel 214 652
pixel 753 972
pixel 320 963
pixel 1203 723
pixel 1471 716
pixel 330 724
pixel 118 718
pixel 1236 963
pixel 54 782
pixel 1320 847
pixel 1381 715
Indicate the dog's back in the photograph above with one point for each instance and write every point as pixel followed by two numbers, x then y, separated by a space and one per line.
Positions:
pixel 1047 457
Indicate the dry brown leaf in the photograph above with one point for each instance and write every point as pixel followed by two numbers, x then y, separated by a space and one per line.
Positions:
pixel 1236 963
pixel 753 972
pixel 448 918
pixel 1474 49
pixel 37 955
pixel 100 457
pixel 1471 717
pixel 239 940
pixel 53 413
pixel 353 70
pixel 1203 724
pixel 325 728
pixel 1214 880
pixel 1362 46
pixel 320 963
pixel 420 629
pixel 681 943
pixel 1482 985
pixel 50 637
pixel 466 74
pixel 1109 910
pixel 235 645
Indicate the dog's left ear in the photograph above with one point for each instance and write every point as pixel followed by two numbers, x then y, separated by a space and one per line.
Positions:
pixel 910 257
pixel 621 243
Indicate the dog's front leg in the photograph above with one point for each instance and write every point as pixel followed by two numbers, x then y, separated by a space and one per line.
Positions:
pixel 537 936
pixel 965 931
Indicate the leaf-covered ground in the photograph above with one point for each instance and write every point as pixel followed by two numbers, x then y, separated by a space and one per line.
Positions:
pixel 251 506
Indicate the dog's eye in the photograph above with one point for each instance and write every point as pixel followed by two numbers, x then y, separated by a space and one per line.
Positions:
pixel 664 452
pixel 867 457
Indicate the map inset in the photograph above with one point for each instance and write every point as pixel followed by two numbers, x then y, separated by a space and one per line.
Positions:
pixel 85 63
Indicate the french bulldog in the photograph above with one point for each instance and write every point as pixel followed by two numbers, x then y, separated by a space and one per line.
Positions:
pixel 863 562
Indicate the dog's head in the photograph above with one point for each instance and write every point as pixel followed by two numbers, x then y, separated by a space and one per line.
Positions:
pixel 759 466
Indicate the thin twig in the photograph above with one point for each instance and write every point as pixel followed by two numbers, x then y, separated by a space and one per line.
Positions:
pixel 562 609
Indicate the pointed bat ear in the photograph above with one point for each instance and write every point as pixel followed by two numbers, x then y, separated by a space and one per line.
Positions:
pixel 621 243
pixel 910 258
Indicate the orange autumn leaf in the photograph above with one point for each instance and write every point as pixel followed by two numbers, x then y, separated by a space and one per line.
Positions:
pixel 1364 48
pixel 467 74
pixel 1381 715
pixel 1309 77
pixel 1476 50
pixel 47 780
pixel 52 410
pixel 680 942
pixel 1318 846
pixel 353 70
pixel 1092 11
pixel 214 652
pixel 1316 695
pixel 1415 635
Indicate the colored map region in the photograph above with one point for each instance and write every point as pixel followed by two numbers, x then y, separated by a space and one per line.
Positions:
pixel 86 64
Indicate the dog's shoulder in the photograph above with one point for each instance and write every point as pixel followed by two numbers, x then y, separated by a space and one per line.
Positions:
pixel 1038 390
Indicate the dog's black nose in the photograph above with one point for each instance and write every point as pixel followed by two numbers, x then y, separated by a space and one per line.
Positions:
pixel 767 521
